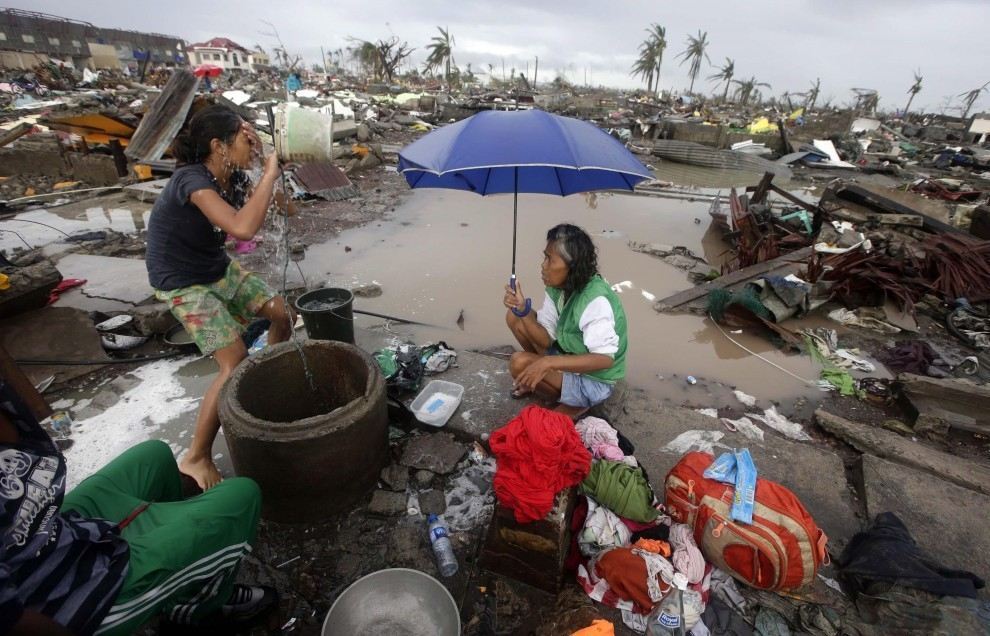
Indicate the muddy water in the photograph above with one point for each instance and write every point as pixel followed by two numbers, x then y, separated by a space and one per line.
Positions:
pixel 35 227
pixel 446 252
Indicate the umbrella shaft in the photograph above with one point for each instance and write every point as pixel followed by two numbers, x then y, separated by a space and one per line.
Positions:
pixel 515 216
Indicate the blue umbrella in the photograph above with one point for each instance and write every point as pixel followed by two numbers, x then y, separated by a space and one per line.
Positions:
pixel 497 152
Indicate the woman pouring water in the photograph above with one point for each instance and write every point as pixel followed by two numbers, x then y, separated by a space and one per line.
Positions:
pixel 574 347
pixel 209 197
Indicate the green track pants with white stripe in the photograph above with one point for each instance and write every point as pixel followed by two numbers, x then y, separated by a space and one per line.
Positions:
pixel 183 553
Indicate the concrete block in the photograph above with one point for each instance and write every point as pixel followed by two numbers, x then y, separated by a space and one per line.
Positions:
pixel 435 452
pixel 122 279
pixel 947 521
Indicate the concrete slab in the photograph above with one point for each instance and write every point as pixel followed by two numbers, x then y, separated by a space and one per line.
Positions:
pixel 948 521
pixel 663 433
pixel 53 333
pixel 120 279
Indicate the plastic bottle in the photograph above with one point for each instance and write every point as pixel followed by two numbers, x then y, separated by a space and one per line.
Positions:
pixel 667 617
pixel 442 548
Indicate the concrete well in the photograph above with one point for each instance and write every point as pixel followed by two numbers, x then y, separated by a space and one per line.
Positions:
pixel 314 455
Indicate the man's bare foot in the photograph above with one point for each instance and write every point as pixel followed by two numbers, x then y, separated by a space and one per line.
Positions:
pixel 203 470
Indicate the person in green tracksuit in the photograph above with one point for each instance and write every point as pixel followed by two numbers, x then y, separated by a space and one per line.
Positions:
pixel 574 347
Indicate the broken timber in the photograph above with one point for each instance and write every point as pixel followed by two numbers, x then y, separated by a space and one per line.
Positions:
pixel 941 404
pixel 782 265
pixel 18 131
pixel 902 450
pixel 162 122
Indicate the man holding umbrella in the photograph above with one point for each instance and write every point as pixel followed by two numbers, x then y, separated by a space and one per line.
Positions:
pixel 574 348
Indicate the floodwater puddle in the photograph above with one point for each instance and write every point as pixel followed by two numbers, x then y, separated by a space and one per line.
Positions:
pixel 445 254
pixel 48 226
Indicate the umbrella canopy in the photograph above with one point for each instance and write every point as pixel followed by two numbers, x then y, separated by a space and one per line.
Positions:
pixel 207 70
pixel 497 152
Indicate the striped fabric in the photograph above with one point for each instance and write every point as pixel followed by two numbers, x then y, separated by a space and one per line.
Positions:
pixel 61 565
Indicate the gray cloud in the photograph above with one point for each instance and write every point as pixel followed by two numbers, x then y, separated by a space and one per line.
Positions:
pixel 847 43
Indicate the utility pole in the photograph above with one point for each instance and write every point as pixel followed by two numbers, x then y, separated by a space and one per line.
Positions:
pixel 536 71
pixel 323 56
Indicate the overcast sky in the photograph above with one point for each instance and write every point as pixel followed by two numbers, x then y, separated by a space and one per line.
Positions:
pixel 847 43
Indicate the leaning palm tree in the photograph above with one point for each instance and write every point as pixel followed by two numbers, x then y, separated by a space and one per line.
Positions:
pixel 725 74
pixel 441 49
pixel 970 97
pixel 914 90
pixel 748 88
pixel 650 58
pixel 695 53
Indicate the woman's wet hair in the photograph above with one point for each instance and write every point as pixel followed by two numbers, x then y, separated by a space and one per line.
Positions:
pixel 213 122
pixel 576 248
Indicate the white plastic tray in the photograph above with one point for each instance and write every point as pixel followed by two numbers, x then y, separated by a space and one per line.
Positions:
pixel 437 402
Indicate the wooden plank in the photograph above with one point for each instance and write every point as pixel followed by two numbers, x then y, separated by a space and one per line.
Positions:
pixel 671 303
pixel 940 404
pixel 18 131
pixel 889 445
pixel 866 198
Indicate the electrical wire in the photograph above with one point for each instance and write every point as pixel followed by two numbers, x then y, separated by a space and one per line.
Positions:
pixel 87 363
pixel 753 353
pixel 29 246
pixel 51 227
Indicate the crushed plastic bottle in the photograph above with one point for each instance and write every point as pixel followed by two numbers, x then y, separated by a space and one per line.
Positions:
pixel 442 548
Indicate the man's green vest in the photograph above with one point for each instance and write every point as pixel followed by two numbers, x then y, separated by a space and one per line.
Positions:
pixel 569 336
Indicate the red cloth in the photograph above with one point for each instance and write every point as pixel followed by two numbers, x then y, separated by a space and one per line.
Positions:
pixel 65 285
pixel 539 453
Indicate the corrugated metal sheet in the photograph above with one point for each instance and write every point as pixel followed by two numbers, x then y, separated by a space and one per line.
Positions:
pixel 325 181
pixel 699 155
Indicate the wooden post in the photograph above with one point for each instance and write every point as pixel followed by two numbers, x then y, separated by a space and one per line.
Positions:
pixel 19 382
pixel 119 159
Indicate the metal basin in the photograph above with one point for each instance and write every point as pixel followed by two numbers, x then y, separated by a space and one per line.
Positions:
pixel 394 602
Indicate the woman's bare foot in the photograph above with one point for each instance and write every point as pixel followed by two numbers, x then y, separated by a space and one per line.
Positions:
pixel 202 469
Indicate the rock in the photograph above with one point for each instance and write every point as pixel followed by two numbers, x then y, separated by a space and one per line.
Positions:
pixel 432 502
pixel 153 320
pixel 423 477
pixel 387 503
pixel 395 477
pixel 371 290
pixel 436 452
pixel 363 132
pixel 369 161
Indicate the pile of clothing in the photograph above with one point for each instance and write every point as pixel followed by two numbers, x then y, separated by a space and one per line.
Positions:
pixel 625 550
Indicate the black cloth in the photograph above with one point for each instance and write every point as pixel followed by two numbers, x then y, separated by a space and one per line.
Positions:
pixel 722 621
pixel 657 533
pixel 58 564
pixel 184 248
pixel 887 553
pixel 912 356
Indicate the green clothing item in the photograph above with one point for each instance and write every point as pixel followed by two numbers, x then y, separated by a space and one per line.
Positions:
pixel 622 489
pixel 183 553
pixel 570 339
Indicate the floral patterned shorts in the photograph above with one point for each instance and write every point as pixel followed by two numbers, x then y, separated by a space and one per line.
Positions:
pixel 215 315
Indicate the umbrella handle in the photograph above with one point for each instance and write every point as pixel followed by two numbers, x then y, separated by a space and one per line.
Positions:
pixel 529 301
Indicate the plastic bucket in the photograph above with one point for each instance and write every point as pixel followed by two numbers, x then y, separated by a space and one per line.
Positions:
pixel 328 314
pixel 303 135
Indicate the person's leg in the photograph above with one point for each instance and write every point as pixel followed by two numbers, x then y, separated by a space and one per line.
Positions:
pixel 551 384
pixel 198 461
pixel 184 556
pixel 143 473
pixel 282 318
pixel 251 297
pixel 516 327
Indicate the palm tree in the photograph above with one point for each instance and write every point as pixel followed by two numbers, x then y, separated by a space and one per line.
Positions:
pixel 970 97
pixel 748 88
pixel 812 97
pixel 725 74
pixel 365 53
pixel 441 49
pixel 914 90
pixel 651 57
pixel 694 53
